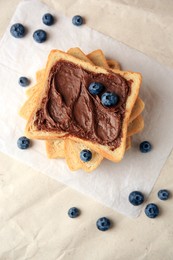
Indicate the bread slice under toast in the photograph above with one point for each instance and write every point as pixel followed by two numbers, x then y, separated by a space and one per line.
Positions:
pixel 97 57
pixel 135 126
pixel 72 156
pixel 33 132
pixel 77 53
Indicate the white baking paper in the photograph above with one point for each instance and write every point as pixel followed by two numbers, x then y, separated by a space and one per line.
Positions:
pixel 111 183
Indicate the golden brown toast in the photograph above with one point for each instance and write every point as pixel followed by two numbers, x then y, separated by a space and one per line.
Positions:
pixel 32 130
pixel 136 126
pixel 77 53
pixel 97 57
pixel 72 156
pixel 55 148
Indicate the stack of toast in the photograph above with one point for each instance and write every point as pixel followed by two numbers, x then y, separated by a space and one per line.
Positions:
pixel 48 109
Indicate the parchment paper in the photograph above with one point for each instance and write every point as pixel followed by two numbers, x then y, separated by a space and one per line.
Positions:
pixel 110 183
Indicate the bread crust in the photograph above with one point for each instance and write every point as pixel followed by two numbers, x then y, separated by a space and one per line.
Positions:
pixel 72 156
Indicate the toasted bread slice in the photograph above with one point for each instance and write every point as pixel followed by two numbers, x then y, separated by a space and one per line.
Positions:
pixel 32 130
pixel 97 57
pixel 72 156
pixel 39 77
pixel 136 126
pixel 55 148
pixel 28 107
pixel 137 109
pixel 76 52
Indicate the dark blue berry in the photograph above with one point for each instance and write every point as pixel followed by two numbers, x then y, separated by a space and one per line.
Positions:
pixel 77 20
pixel 96 88
pixel 23 81
pixel 163 194
pixel 109 99
pixel 145 147
pixel 152 210
pixel 23 142
pixel 40 36
pixel 73 212
pixel 17 30
pixel 103 224
pixel 136 198
pixel 48 19
pixel 85 155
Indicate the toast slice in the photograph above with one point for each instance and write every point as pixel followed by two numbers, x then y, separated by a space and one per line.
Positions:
pixel 137 110
pixel 39 78
pixel 97 57
pixel 55 148
pixel 136 126
pixel 72 156
pixel 34 131
pixel 76 52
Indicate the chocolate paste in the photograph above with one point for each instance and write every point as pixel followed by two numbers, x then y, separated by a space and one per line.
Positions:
pixel 68 106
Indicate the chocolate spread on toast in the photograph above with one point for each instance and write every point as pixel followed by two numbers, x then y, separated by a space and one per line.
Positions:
pixel 69 107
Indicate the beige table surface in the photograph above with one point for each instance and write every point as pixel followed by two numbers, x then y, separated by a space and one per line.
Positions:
pixel 33 208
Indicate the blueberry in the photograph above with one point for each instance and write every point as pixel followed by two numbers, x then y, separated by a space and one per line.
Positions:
pixel 73 212
pixel 85 155
pixel 163 194
pixel 23 81
pixel 23 142
pixel 48 19
pixel 77 20
pixel 17 30
pixel 96 88
pixel 145 147
pixel 109 99
pixel 152 210
pixel 103 224
pixel 136 198
pixel 40 36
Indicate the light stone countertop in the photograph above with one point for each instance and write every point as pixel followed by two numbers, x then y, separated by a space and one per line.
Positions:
pixel 32 206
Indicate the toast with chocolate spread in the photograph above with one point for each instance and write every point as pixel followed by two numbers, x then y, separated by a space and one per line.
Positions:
pixel 66 148
pixel 66 109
